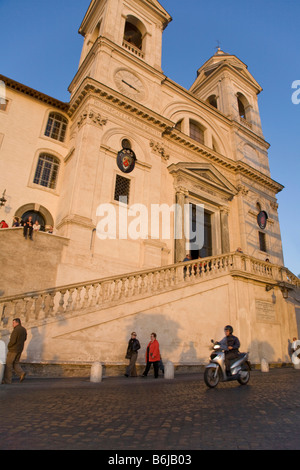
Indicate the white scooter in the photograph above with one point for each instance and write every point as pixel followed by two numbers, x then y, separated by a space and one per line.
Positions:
pixel 215 371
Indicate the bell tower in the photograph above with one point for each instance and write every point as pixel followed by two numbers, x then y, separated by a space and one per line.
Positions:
pixel 225 82
pixel 119 32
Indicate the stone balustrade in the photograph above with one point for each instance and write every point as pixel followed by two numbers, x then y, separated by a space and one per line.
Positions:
pixel 70 300
pixel 132 48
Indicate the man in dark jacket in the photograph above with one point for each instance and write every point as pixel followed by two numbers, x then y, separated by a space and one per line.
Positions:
pixel 15 348
pixel 231 345
pixel 131 354
pixel 28 227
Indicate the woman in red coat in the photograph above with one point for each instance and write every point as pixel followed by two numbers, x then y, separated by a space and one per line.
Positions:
pixel 152 356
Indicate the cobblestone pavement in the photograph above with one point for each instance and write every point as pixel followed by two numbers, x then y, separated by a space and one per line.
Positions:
pixel 152 414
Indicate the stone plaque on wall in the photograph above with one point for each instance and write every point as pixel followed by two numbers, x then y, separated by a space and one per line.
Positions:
pixel 265 311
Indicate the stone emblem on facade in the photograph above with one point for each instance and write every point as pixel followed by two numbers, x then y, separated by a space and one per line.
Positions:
pixel 126 160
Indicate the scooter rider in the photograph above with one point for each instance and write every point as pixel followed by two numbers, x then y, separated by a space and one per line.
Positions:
pixel 231 345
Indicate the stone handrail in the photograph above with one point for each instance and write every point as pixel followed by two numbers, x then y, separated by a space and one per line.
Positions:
pixel 59 302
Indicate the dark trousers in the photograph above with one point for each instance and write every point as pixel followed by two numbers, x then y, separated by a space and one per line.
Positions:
pixel 26 229
pixel 155 365
pixel 230 357
pixel 12 363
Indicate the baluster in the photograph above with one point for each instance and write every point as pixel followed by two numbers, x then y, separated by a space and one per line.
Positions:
pixel 78 298
pixel 130 289
pixel 167 278
pixel 32 308
pixel 142 286
pixel 105 291
pixel 172 276
pixel 42 314
pixel 61 302
pixel 86 297
pixel 136 288
pixel 161 278
pixel 123 288
pixel 99 294
pixel 155 281
pixel 116 289
pixel 94 295
pixel 70 300
pixel 51 312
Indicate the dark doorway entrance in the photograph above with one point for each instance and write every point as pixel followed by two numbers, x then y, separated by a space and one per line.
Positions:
pixel 206 250
pixel 35 216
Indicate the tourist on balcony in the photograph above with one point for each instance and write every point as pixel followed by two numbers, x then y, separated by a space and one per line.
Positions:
pixel 16 222
pixel 36 226
pixel 28 227
pixel 152 356
pixel 132 354
pixel 3 224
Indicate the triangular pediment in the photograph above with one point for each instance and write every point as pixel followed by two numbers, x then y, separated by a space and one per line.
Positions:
pixel 205 175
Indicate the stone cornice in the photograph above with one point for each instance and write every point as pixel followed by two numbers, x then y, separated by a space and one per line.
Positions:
pixel 237 167
pixel 90 86
pixel 34 94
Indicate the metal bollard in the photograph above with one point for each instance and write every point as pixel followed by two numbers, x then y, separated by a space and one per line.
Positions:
pixel 96 373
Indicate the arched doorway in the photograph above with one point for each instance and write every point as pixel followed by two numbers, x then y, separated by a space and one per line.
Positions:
pixel 37 212
pixel 36 216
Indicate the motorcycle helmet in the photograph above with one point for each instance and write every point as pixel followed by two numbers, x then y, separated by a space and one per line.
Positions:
pixel 229 327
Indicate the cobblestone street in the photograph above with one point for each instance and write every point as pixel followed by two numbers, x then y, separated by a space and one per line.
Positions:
pixel 148 414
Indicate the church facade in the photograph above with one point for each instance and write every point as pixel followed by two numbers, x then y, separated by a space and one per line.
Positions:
pixel 130 132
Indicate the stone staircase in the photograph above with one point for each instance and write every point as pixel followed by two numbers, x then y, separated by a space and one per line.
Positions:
pixel 64 302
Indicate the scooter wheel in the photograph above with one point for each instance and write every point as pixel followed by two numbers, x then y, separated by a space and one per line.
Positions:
pixel 244 376
pixel 211 377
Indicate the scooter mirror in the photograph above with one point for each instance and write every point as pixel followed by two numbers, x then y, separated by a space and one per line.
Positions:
pixel 212 341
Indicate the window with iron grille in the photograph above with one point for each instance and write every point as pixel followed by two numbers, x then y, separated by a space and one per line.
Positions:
pixel 46 172
pixel 56 127
pixel 122 188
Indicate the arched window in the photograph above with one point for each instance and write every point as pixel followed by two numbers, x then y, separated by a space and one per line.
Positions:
pixel 212 100
pixel 178 125
pixel 56 127
pixel 46 173
pixel 244 109
pixel 241 106
pixel 196 132
pixel 133 35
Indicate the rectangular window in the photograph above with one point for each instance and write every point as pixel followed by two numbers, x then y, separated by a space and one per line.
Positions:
pixel 196 132
pixel 122 188
pixel 3 104
pixel 262 241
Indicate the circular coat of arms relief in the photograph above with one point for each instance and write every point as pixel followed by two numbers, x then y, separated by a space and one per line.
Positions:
pixel 126 160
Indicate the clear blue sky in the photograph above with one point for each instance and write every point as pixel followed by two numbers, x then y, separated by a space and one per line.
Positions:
pixel 40 47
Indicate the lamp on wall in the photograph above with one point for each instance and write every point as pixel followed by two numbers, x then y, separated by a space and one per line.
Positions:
pixel 2 199
pixel 284 287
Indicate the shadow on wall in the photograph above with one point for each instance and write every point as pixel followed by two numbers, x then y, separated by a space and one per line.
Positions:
pixel 261 350
pixel 144 324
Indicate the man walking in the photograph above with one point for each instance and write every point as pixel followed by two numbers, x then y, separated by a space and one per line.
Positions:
pixel 15 348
